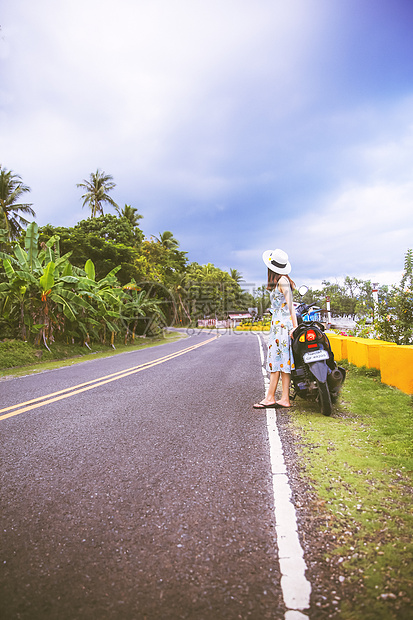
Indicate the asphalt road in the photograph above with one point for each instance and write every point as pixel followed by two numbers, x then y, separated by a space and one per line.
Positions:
pixel 148 496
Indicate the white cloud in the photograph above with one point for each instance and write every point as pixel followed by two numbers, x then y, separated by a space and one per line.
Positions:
pixel 367 227
pixel 217 114
pixel 363 232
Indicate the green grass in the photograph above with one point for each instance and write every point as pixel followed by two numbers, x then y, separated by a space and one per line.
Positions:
pixel 360 463
pixel 21 358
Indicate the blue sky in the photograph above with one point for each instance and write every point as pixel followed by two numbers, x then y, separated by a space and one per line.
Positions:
pixel 240 125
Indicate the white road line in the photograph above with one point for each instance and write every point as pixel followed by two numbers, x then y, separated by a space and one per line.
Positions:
pixel 295 587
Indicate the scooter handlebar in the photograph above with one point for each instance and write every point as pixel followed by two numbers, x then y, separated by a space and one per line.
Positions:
pixel 304 308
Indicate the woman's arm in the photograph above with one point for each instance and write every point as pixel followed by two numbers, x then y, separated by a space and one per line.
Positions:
pixel 285 288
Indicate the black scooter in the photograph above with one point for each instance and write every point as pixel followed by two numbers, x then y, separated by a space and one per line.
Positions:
pixel 316 375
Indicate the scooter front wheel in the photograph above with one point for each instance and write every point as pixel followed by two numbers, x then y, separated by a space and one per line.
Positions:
pixel 324 398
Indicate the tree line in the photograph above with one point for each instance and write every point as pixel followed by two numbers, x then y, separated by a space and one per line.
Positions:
pixel 103 277
pixel 100 278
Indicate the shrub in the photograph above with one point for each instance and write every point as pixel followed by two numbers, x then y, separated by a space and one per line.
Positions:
pixel 395 314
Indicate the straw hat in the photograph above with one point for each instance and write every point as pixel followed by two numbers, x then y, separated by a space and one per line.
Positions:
pixel 277 261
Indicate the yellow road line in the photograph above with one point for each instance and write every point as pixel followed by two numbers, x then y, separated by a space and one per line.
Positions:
pixel 121 372
pixel 89 385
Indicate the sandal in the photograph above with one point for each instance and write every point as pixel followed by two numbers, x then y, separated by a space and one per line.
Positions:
pixel 264 406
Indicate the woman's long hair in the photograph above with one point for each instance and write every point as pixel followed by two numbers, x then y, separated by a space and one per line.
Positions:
pixel 273 279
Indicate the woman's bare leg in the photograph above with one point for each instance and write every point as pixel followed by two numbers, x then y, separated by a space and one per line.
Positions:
pixel 270 396
pixel 285 396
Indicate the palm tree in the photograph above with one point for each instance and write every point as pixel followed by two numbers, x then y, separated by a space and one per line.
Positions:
pixel 179 291
pixel 129 213
pixel 11 189
pixel 236 275
pixel 167 240
pixel 97 189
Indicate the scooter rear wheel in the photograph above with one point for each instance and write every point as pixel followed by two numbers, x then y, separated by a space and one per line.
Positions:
pixel 324 398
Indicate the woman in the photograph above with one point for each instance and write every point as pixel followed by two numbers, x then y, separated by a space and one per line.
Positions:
pixel 284 321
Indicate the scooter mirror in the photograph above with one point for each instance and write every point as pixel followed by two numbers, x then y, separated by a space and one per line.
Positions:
pixel 303 289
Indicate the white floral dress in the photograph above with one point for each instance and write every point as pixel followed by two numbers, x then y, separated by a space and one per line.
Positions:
pixel 280 355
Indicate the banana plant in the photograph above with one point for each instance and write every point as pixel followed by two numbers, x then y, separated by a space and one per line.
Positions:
pixel 12 299
pixel 56 303
pixel 104 296
pixel 136 305
pixel 41 292
pixel 31 244
pixel 44 295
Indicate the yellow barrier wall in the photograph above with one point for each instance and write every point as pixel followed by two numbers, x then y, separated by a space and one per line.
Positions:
pixel 357 351
pixel 344 343
pixel 396 367
pixel 336 343
pixel 373 352
pixel 395 362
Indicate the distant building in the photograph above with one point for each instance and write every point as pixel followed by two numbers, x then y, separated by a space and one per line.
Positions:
pixel 237 317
